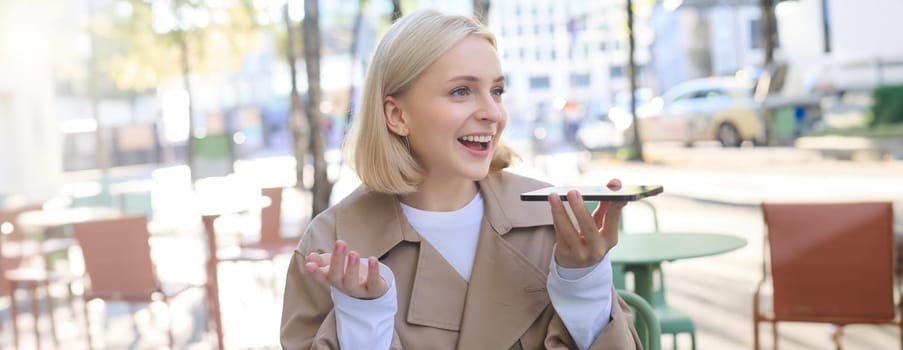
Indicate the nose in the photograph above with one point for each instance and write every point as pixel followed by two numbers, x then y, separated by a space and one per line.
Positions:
pixel 490 109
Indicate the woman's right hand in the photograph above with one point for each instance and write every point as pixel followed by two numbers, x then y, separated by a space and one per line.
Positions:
pixel 341 270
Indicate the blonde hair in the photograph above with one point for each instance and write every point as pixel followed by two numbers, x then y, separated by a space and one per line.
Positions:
pixel 381 158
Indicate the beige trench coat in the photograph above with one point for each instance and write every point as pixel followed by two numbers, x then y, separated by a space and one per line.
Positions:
pixel 504 306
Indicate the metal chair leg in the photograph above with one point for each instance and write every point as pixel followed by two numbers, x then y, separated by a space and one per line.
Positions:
pixel 49 298
pixel 36 312
pixel 774 334
pixel 88 324
pixel 14 312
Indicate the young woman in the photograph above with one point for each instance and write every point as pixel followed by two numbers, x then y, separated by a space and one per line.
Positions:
pixel 436 250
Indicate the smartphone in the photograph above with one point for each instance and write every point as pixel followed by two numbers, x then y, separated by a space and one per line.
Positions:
pixel 595 193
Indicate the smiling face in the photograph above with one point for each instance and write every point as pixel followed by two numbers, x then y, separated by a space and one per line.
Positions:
pixel 453 114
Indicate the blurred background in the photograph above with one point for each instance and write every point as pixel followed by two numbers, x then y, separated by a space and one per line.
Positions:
pixel 177 109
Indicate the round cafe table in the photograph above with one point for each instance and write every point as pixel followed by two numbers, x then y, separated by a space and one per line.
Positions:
pixel 643 253
pixel 38 220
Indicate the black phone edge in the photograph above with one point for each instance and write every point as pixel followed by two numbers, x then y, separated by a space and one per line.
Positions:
pixel 592 198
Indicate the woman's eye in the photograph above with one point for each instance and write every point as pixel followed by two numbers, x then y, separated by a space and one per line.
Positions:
pixel 459 92
pixel 498 91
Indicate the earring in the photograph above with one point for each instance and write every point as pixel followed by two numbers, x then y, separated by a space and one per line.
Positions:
pixel 407 145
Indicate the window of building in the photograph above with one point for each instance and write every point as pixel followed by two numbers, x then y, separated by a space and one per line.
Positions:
pixel 602 46
pixel 616 71
pixel 553 55
pixel 538 55
pixel 580 79
pixel 540 82
pixel 521 53
pixel 755 34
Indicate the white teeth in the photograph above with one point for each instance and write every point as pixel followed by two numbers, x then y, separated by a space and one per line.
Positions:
pixel 473 138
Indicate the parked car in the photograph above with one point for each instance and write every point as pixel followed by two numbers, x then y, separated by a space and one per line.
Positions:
pixel 710 109
pixel 602 130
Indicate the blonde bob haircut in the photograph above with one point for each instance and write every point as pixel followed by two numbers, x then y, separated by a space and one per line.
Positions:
pixel 381 158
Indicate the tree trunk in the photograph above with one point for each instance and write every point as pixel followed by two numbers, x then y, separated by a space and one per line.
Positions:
pixel 322 187
pixel 631 74
pixel 100 157
pixel 396 10
pixel 355 40
pixel 296 122
pixel 768 31
pixel 767 27
pixel 481 11
pixel 186 73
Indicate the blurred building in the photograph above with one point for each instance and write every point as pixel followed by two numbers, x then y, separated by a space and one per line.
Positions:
pixel 838 45
pixel 568 57
pixel 699 38
pixel 30 150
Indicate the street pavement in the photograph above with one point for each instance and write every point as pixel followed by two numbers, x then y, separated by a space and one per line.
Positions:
pixel 704 188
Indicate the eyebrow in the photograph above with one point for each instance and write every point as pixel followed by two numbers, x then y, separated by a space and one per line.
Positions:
pixel 470 78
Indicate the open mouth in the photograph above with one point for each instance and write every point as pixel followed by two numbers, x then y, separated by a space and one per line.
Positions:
pixel 479 143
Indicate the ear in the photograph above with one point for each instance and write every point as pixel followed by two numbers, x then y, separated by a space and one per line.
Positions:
pixel 394 114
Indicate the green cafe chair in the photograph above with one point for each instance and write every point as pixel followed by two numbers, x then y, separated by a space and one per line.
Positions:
pixel 644 320
pixel 673 321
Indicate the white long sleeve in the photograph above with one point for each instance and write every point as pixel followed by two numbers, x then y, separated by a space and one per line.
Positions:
pixel 366 324
pixel 582 298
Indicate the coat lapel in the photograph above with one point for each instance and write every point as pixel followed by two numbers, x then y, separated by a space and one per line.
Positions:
pixel 506 292
pixel 437 296
pixel 506 295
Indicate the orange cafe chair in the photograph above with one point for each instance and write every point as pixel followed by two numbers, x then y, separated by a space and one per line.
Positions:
pixel 119 267
pixel 828 263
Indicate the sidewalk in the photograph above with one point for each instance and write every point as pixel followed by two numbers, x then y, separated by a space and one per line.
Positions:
pixel 749 177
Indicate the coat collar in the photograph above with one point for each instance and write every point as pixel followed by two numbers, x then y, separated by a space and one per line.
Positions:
pixel 506 292
pixel 373 222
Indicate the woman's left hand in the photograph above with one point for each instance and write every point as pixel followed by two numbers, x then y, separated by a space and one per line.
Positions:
pixel 586 244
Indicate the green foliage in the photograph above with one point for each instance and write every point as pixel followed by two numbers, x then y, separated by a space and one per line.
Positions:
pixel 888 107
pixel 626 153
pixel 135 52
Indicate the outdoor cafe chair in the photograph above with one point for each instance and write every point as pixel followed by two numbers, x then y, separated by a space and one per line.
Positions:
pixel 672 320
pixel 119 268
pixel 215 256
pixel 271 240
pixel 828 263
pixel 21 267
pixel 644 319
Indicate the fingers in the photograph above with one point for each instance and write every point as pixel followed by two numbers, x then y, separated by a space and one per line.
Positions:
pixel 586 223
pixel 611 224
pixel 373 278
pixel 564 231
pixel 599 213
pixel 614 184
pixel 315 266
pixel 337 263
pixel 352 278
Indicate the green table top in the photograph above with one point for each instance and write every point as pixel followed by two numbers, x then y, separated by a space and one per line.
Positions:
pixel 645 248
